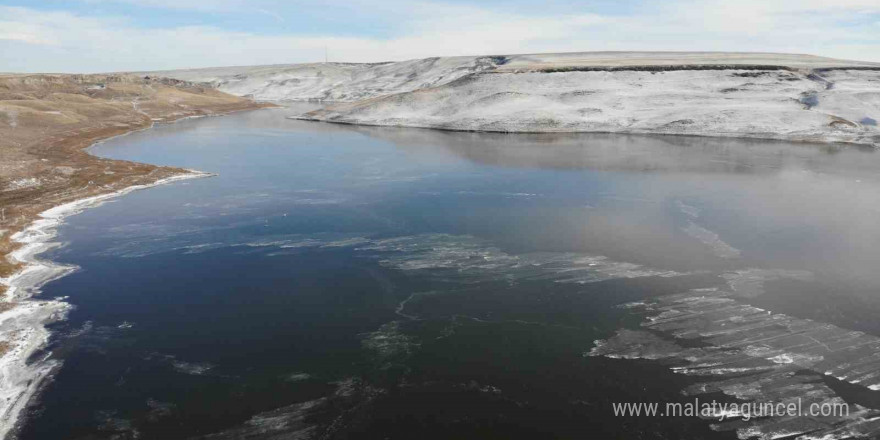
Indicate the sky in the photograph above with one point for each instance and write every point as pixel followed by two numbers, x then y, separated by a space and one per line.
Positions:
pixel 135 35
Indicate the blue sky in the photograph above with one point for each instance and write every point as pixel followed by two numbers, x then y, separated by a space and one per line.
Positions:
pixel 115 35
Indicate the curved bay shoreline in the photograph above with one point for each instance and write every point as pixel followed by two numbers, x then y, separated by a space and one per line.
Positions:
pixel 47 175
pixel 23 376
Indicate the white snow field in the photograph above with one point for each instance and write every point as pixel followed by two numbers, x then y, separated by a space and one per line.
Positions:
pixel 771 96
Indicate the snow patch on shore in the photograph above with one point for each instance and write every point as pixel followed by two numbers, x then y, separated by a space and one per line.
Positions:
pixel 23 183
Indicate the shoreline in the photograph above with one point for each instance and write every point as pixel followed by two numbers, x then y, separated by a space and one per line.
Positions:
pixel 31 227
pixel 719 135
pixel 21 378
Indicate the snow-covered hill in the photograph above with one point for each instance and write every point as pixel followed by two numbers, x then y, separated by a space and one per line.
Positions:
pixel 831 106
pixel 775 96
pixel 334 81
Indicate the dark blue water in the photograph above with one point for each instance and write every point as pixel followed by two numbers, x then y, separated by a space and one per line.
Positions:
pixel 401 283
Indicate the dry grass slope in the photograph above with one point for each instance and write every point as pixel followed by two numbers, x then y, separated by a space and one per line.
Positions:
pixel 47 120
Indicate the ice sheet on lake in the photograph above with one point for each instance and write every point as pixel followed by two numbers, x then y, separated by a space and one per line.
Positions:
pixel 749 283
pixel 194 241
pixel 461 256
pixel 181 366
pixel 464 257
pixel 718 246
pixel 389 344
pixel 303 420
pixel 756 356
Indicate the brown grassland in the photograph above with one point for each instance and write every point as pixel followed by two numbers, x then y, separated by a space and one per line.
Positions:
pixel 47 121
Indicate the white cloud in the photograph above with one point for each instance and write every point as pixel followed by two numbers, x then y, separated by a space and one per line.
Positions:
pixel 22 32
pixel 198 5
pixel 278 17
pixel 32 40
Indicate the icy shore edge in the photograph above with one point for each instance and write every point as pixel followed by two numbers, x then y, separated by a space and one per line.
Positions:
pixel 25 324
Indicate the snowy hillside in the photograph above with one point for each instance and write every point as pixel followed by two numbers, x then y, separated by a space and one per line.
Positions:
pixel 334 81
pixel 775 96
pixel 840 105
